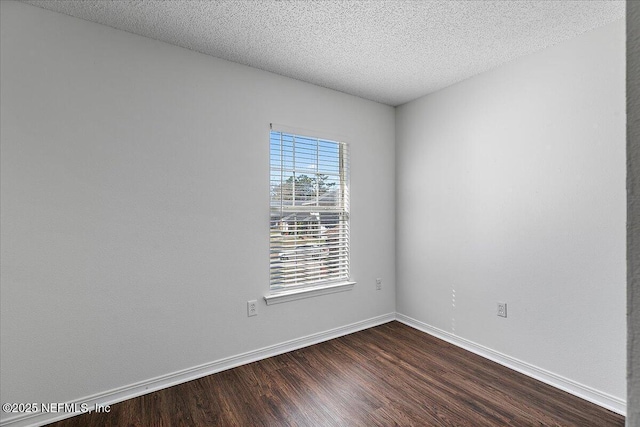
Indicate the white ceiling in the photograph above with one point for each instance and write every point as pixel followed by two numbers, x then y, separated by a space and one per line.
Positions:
pixel 387 51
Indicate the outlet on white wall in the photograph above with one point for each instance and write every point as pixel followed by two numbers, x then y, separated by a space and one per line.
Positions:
pixel 252 308
pixel 502 309
pixel 378 284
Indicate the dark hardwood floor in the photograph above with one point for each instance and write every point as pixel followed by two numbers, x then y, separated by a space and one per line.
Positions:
pixel 384 376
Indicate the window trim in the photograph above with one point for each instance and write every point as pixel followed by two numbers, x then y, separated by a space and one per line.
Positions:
pixel 277 297
pixel 292 293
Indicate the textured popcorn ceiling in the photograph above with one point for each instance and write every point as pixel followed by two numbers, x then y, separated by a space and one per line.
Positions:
pixel 386 51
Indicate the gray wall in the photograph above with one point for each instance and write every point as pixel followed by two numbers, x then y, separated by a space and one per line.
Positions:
pixel 511 187
pixel 633 212
pixel 135 207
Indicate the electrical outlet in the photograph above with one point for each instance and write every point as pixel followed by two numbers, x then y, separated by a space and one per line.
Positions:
pixel 502 309
pixel 378 284
pixel 252 308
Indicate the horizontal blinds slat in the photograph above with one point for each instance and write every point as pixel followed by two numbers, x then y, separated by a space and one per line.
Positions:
pixel 292 271
pixel 307 271
pixel 312 277
pixel 321 248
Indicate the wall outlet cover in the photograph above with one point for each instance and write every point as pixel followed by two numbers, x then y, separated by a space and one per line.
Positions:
pixel 502 309
pixel 252 308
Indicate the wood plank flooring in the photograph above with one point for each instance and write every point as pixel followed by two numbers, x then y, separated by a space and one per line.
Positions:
pixel 384 376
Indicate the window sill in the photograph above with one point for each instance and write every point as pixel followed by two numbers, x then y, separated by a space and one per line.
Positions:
pixel 296 294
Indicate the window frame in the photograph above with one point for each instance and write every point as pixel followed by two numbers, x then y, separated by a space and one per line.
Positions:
pixel 319 283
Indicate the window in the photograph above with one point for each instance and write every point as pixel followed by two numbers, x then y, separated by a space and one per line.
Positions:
pixel 309 203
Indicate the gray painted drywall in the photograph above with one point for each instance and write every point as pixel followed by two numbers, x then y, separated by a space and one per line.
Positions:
pixel 511 187
pixel 633 213
pixel 135 197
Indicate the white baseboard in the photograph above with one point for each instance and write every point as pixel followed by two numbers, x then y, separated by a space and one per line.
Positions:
pixel 587 393
pixel 141 388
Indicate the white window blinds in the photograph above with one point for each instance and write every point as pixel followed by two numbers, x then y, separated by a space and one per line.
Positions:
pixel 309 232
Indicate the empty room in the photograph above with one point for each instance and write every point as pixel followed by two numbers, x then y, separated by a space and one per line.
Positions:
pixel 319 213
